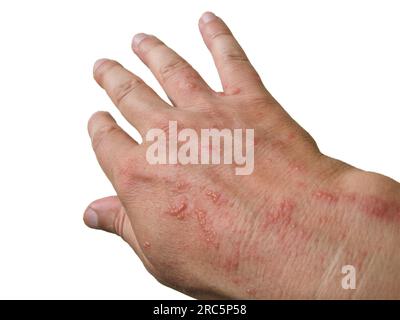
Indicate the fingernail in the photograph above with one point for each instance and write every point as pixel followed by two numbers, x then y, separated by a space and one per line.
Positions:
pixel 208 17
pixel 91 218
pixel 98 63
pixel 137 39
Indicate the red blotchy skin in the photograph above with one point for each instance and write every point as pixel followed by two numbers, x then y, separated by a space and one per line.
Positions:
pixel 289 233
pixel 277 145
pixel 230 90
pixel 231 264
pixel 281 215
pixel 182 186
pixel 291 136
pixel 380 208
pixel 206 228
pixel 251 292
pixel 301 184
pixel 296 167
pixel 256 141
pixel 326 196
pixel 146 245
pixel 370 205
pixel 178 210
pixel 357 259
pixel 213 195
pixel 350 197
pixel 237 280
pixel 216 198
pixel 285 231
pixel 376 207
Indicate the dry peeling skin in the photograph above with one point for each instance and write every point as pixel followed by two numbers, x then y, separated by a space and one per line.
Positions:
pixel 285 231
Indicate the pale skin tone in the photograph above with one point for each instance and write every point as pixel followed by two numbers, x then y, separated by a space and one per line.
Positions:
pixel 285 231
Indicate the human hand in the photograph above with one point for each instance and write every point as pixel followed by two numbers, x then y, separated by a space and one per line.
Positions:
pixel 283 231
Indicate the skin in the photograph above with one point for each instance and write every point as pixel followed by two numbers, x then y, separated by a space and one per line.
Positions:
pixel 285 231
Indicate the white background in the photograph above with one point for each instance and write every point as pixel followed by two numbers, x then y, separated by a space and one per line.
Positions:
pixel 334 65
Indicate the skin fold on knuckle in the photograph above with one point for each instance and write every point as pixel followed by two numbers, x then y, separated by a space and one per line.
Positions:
pixel 102 133
pixel 172 68
pixel 123 90
pixel 180 75
pixel 119 223
pixel 216 30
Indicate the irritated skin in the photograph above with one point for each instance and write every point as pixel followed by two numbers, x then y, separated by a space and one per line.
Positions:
pixel 285 231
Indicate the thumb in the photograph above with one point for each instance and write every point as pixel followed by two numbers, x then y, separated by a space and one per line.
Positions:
pixel 109 215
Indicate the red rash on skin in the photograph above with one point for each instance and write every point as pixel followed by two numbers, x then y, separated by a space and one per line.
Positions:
pixel 375 207
pixel 291 136
pixel 178 210
pixel 216 198
pixel 147 245
pixel 237 280
pixel 231 90
pixel 278 144
pixel 370 205
pixel 182 186
pixel 342 235
pixel 251 292
pixel 213 195
pixel 281 215
pixel 231 263
pixel 191 86
pixel 326 196
pixel 268 160
pixel 188 82
pixel 357 259
pixel 296 167
pixel 235 91
pixel 351 197
pixel 301 184
pixel 295 238
pixel 289 235
pixel 206 229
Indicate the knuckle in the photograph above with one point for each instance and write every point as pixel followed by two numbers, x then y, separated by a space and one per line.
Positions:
pixel 123 90
pixel 130 175
pixel 220 34
pixel 101 134
pixel 123 173
pixel 236 56
pixel 164 123
pixel 231 53
pixel 209 110
pixel 119 223
pixel 172 68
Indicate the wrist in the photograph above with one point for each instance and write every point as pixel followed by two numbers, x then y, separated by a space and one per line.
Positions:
pixel 368 208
